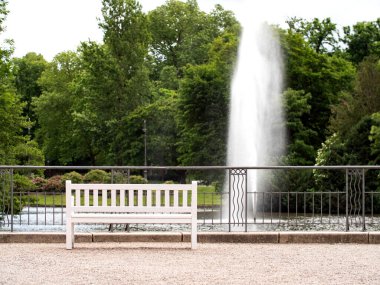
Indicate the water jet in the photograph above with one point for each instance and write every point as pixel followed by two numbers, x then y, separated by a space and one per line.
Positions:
pixel 256 130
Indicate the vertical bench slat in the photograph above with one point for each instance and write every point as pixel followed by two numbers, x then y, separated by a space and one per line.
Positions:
pixel 122 197
pixel 77 197
pixel 149 199
pixel 104 197
pixel 130 198
pixel 113 197
pixel 184 198
pixel 87 197
pixel 139 198
pixel 175 197
pixel 158 198
pixel 167 198
pixel 95 197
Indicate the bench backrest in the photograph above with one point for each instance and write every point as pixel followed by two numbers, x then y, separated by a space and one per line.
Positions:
pixel 124 198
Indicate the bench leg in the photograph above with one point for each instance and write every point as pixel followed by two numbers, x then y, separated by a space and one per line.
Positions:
pixel 194 234
pixel 69 235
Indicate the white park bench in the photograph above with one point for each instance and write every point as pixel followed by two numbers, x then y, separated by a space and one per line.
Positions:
pixel 130 204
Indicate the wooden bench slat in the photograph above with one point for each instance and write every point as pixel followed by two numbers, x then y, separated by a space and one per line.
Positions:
pixel 122 198
pixel 113 198
pixel 149 199
pixel 118 209
pixel 139 198
pixel 87 197
pixel 131 199
pixel 132 186
pixel 184 198
pixel 167 198
pixel 158 198
pixel 95 197
pixel 104 197
pixel 175 199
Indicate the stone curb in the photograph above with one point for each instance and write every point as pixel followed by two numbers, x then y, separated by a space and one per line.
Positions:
pixel 203 237
pixel 324 237
pixel 137 237
pixel 234 237
pixel 44 237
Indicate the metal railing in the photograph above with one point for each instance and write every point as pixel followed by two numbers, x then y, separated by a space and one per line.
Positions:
pixel 332 198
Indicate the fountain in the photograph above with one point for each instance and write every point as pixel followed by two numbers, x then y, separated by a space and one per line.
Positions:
pixel 256 131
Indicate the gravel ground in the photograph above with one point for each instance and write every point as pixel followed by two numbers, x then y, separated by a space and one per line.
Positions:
pixel 176 263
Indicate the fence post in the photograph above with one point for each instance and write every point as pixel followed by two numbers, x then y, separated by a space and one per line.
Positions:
pixel 11 184
pixel 246 202
pixel 363 198
pixel 347 221
pixel 229 200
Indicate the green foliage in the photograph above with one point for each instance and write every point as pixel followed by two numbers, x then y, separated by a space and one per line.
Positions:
pixel 363 40
pixel 97 176
pixel 324 76
pixel 364 101
pixel 54 108
pixel 172 68
pixel 28 153
pixel 182 34
pixel 73 176
pixel 296 105
pixel 321 35
pixel 27 70
pixel 332 152
pixel 137 179
pixel 358 147
pixel 203 123
pixel 161 128
pixel 22 183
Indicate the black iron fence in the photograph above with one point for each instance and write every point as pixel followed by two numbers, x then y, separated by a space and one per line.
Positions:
pixel 229 198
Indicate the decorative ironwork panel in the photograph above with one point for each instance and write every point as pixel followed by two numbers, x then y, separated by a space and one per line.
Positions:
pixel 355 197
pixel 238 196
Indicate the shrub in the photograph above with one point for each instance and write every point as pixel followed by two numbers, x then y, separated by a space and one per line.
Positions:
pixel 74 176
pixel 119 177
pixel 97 176
pixel 17 204
pixel 169 182
pixel 137 179
pixel 39 182
pixel 22 183
pixel 54 184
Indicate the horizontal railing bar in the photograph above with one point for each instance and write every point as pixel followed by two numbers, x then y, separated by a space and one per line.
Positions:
pixel 289 167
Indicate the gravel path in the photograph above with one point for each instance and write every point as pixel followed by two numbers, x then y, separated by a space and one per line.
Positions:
pixel 172 263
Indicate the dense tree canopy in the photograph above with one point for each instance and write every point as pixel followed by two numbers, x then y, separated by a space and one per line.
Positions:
pixel 172 67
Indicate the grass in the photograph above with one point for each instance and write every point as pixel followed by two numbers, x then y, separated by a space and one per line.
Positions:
pixel 207 197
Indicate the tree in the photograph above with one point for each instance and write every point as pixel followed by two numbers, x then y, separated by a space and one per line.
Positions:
pixel 362 40
pixel 323 76
pixel 322 36
pixel 115 79
pixel 12 121
pixel 363 101
pixel 203 106
pixel 299 150
pixel 161 123
pixel 27 70
pixel 54 110
pixel 182 34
